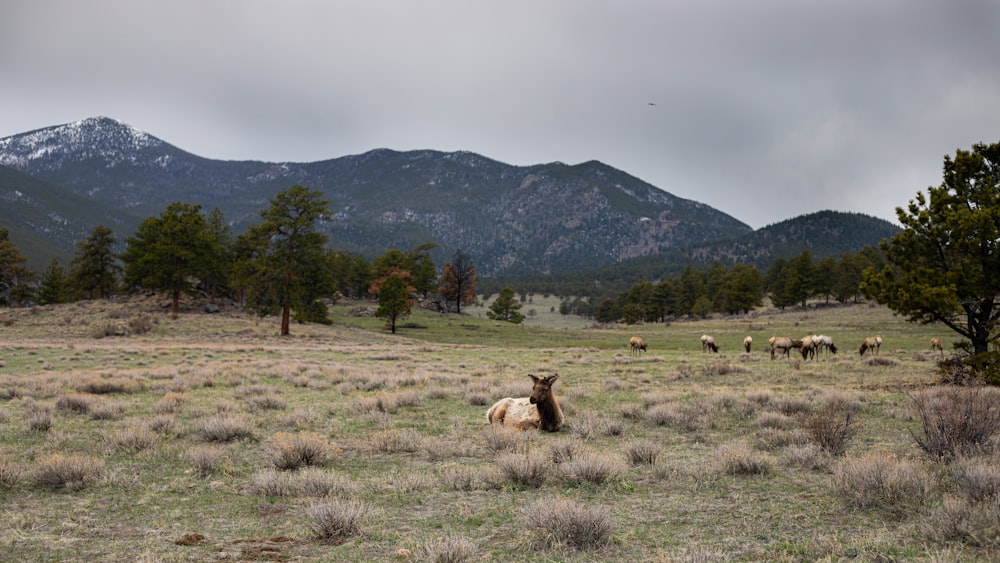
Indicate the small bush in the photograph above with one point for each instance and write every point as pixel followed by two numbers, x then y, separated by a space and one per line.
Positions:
pixel 524 469
pixel 563 450
pixel 831 427
pixel 681 416
pixel 292 451
pixel 227 427
pixel 107 385
pixel 807 456
pixel 79 403
pixel 591 468
pixel 977 478
pixel 723 368
pixel 879 480
pixel 956 420
pixel 107 410
pixel 961 520
pixel 39 420
pixel 69 471
pixel 738 459
pixel 640 453
pixel 205 460
pixel 272 483
pixel 335 520
pixel 267 401
pixel 170 403
pixel 316 482
pixel 130 438
pixel 393 440
pixel 11 474
pixel 502 439
pixel 555 523
pixel 450 549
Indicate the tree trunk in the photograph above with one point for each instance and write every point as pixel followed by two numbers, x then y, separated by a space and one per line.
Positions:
pixel 176 307
pixel 284 320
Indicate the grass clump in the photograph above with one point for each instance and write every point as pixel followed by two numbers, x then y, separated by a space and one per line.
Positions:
pixel 292 451
pixel 67 471
pixel 524 469
pixel 737 458
pixel 450 549
pixel 559 522
pixel 335 520
pixel 882 481
pixel 227 427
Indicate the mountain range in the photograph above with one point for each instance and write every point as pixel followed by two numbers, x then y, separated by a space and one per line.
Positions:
pixel 59 182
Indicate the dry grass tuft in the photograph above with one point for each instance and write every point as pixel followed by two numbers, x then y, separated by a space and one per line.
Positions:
pixel 336 520
pixel 977 478
pixel 70 471
pixel 737 458
pixel 130 438
pixel 206 460
pixel 643 453
pixel 557 523
pixel 79 403
pixel 304 449
pixel 227 427
pixel 396 440
pixel 501 439
pixel 591 467
pixel 883 481
pixel 524 469
pixel 11 474
pixel 960 520
pixel 450 549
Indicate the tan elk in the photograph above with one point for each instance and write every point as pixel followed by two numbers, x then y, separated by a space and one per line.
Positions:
pixel 540 410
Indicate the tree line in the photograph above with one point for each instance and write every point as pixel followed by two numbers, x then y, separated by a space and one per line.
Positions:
pixel 281 266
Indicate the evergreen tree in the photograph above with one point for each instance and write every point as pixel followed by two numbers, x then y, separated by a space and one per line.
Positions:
pixel 394 299
pixel 216 280
pixel 14 276
pixel 55 285
pixel 506 307
pixel 281 261
pixel 171 253
pixel 944 267
pixel 94 269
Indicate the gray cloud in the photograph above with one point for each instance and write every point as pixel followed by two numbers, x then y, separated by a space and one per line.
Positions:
pixel 764 110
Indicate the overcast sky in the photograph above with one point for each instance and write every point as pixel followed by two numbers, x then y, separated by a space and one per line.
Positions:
pixel 763 109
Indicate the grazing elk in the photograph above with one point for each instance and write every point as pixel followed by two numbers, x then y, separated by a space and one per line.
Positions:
pixel 637 346
pixel 936 345
pixel 872 344
pixel 747 343
pixel 782 343
pixel 540 410
pixel 708 343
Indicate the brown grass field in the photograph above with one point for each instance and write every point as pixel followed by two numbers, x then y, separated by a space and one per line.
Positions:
pixel 128 435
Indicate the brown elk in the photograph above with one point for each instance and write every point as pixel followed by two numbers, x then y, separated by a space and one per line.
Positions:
pixel 782 343
pixel 747 343
pixel 936 345
pixel 708 343
pixel 540 410
pixel 872 343
pixel 637 346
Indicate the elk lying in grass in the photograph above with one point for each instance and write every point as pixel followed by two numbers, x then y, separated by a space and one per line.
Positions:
pixel 540 410
pixel 637 346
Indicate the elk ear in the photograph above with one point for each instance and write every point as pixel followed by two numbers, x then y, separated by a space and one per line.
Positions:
pixel 533 378
pixel 552 378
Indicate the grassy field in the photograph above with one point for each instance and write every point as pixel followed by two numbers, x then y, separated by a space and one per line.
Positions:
pixel 128 435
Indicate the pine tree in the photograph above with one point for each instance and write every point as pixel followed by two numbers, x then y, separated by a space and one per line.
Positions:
pixel 94 269
pixel 506 307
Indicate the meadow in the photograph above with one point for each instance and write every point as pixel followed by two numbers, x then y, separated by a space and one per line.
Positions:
pixel 130 435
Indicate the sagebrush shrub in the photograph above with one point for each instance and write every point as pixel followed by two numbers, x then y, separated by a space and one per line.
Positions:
pixel 131 438
pixel 79 403
pixel 227 427
pixel 977 478
pixel 70 471
pixel 588 467
pixel 450 549
pixel 525 469
pixel 883 481
pixel 832 426
pixel 205 460
pixel 292 451
pixel 962 520
pixel 10 474
pixel 336 519
pixel 956 420
pixel 639 453
pixel 556 522
pixel 737 458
